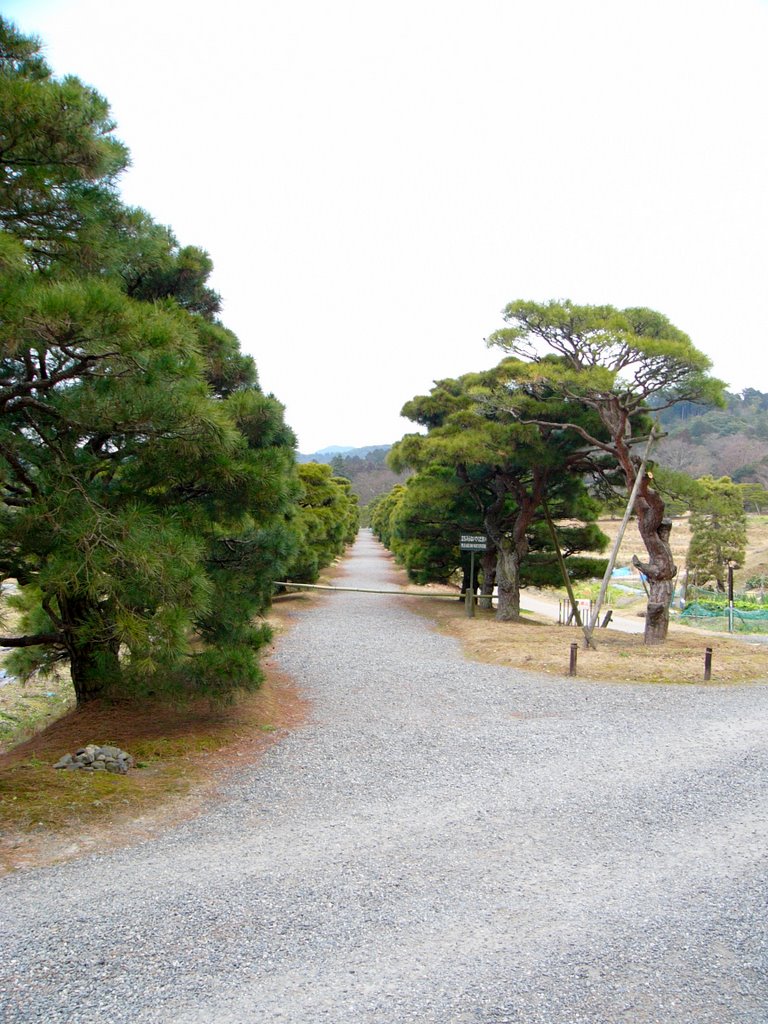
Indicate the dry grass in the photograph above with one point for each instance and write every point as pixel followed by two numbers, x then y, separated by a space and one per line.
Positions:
pixel 620 657
pixel 632 543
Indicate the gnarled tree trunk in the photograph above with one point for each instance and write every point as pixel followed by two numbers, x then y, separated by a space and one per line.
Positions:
pixel 660 570
pixel 508 580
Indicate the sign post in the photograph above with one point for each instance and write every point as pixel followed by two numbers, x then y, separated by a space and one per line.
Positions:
pixel 472 542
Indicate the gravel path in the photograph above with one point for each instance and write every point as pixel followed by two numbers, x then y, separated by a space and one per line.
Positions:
pixel 444 843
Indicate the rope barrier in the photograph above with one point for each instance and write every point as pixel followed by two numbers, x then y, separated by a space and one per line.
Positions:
pixel 361 590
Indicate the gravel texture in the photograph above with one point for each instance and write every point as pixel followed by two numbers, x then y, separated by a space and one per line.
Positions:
pixel 444 842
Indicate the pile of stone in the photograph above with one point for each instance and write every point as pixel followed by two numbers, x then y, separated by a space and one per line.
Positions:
pixel 97 759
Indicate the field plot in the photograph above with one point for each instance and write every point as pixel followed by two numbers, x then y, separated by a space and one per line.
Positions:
pixel 757 544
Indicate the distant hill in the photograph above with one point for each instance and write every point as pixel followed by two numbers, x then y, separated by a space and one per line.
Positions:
pixel 720 442
pixel 366 468
pixel 328 454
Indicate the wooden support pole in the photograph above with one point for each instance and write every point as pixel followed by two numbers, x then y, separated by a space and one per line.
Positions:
pixel 707 664
pixel 563 567
pixel 360 590
pixel 590 627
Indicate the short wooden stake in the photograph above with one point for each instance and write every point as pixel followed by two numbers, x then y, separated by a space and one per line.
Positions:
pixel 572 666
pixel 707 664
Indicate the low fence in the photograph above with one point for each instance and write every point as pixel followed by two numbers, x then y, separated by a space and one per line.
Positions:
pixel 707 617
pixel 565 616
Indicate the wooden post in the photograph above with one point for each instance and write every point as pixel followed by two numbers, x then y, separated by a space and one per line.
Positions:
pixel 469 597
pixel 730 596
pixel 574 654
pixel 707 664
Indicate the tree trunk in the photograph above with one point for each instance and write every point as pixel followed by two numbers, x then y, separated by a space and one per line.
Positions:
pixel 657 612
pixel 508 579
pixel 660 571
pixel 655 529
pixel 511 545
pixel 93 668
pixel 488 564
pixel 93 660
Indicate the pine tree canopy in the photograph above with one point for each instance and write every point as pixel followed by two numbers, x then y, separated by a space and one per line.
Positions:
pixel 481 466
pixel 718 532
pixel 148 485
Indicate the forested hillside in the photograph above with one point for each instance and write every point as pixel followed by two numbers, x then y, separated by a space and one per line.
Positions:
pixel 365 468
pixel 732 441
pixel 330 453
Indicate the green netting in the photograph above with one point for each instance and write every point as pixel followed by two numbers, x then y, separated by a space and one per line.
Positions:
pixel 744 621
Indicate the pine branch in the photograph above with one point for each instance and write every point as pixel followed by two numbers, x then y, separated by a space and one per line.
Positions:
pixel 31 641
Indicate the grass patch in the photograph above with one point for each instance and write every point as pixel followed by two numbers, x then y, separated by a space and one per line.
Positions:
pixel 25 708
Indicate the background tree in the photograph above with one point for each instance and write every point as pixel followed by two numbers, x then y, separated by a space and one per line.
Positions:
pixel 711 441
pixel 327 520
pixel 754 497
pixel 615 363
pixel 368 471
pixel 505 467
pixel 718 532
pixel 381 511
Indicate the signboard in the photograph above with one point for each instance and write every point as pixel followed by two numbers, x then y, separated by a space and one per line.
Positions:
pixel 473 542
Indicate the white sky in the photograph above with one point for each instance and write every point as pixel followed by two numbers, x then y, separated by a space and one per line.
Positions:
pixel 376 180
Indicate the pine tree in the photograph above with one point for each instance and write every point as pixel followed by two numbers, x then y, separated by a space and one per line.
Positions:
pixel 718 532
pixel 327 520
pixel 147 485
pixel 505 468
pixel 615 363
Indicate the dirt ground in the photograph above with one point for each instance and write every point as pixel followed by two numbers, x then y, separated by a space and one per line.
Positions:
pixel 183 754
